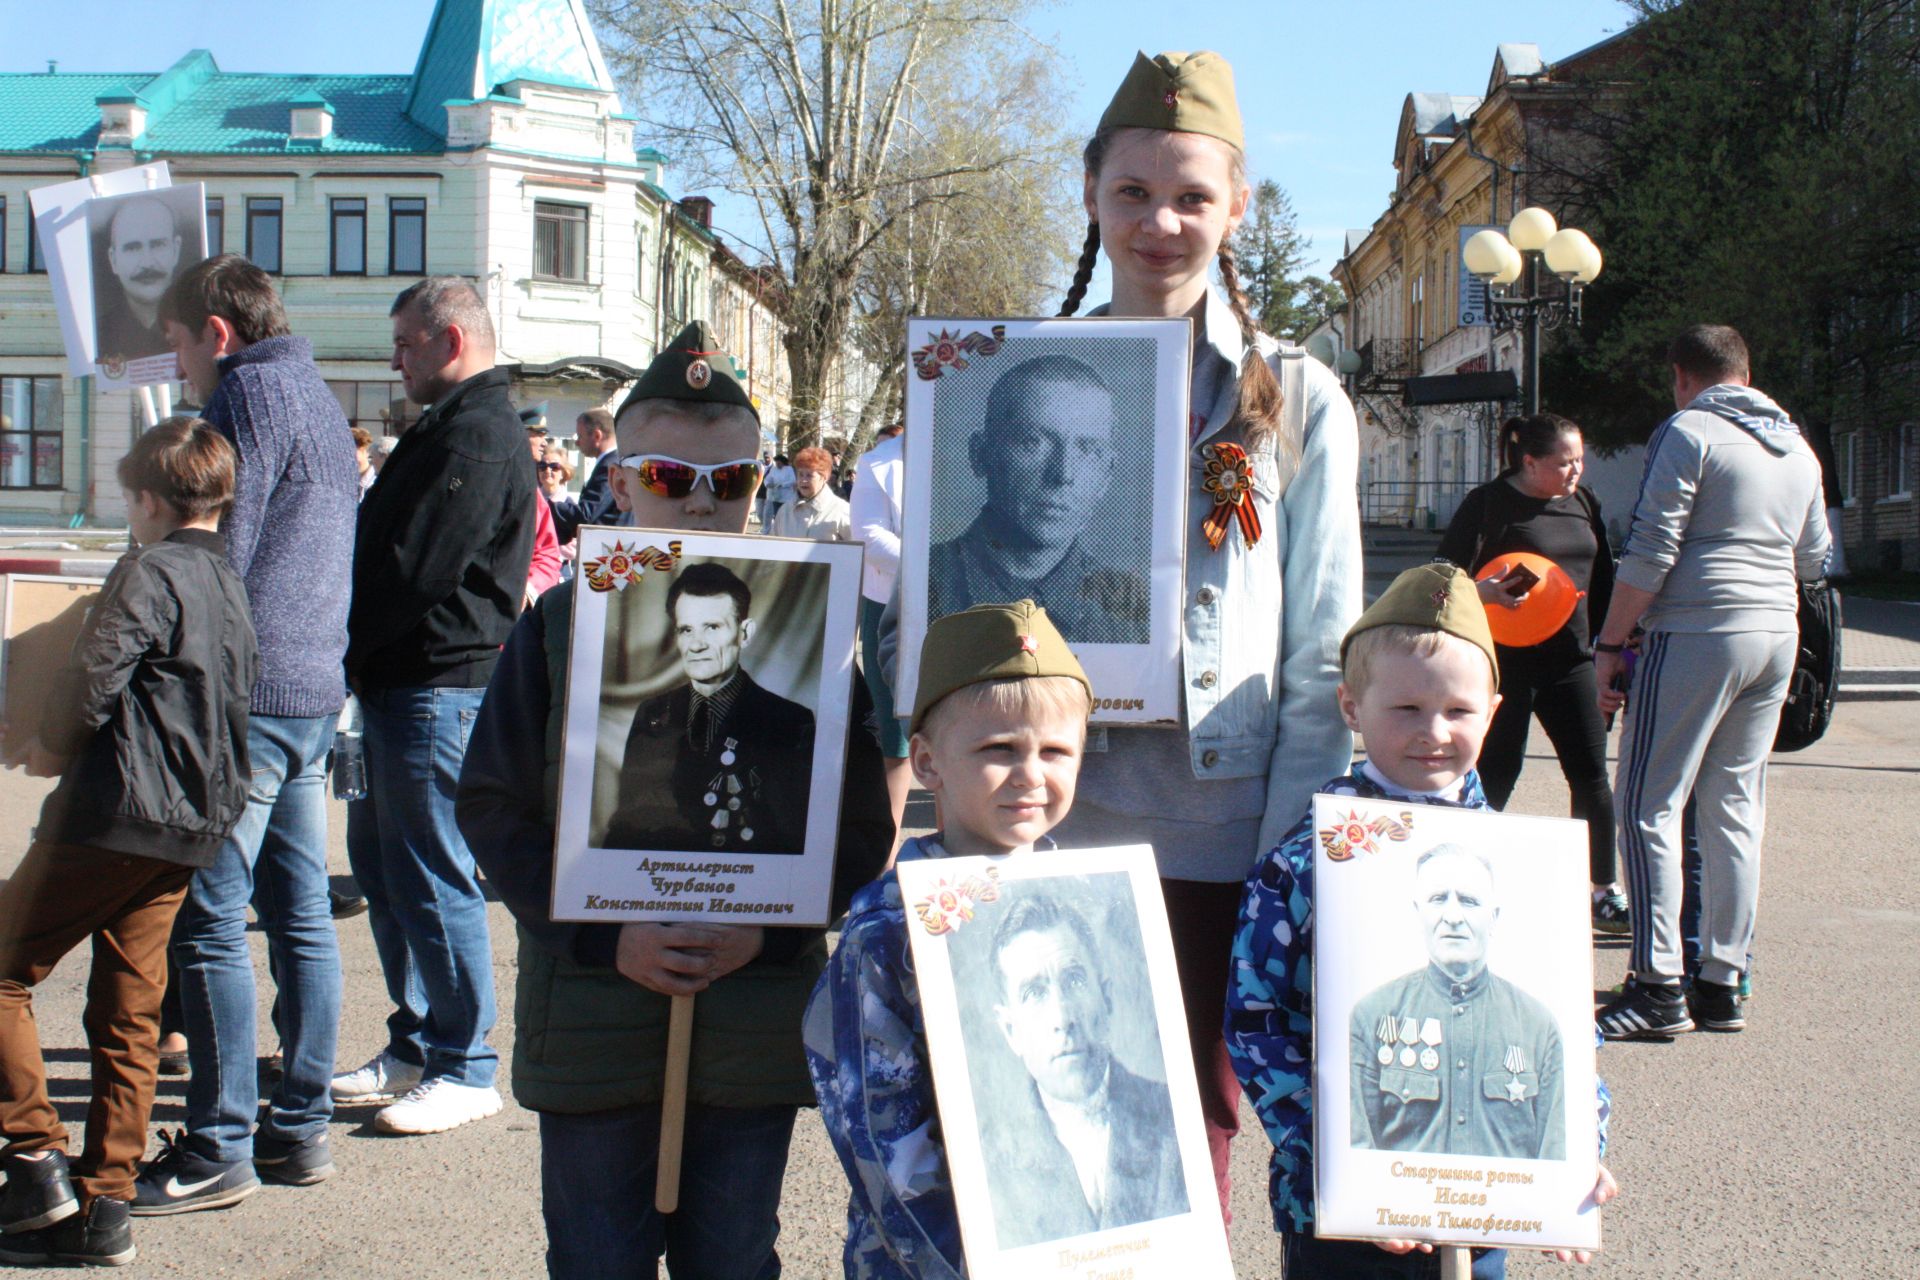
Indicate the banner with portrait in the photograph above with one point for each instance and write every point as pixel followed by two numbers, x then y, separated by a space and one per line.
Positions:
pixel 1047 460
pixel 1061 1066
pixel 706 727
pixel 1454 1066
pixel 112 244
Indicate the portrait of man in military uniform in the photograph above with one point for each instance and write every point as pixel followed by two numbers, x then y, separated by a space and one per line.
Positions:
pixel 1452 1058
pixel 1045 451
pixel 1080 1143
pixel 716 763
pixel 141 245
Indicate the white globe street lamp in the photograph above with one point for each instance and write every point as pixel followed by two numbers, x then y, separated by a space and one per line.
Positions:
pixel 1533 239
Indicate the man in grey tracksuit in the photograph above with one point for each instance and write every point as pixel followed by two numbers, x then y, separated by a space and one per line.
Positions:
pixel 1729 517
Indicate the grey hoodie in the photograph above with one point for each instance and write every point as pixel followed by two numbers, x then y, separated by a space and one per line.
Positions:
pixel 1729 516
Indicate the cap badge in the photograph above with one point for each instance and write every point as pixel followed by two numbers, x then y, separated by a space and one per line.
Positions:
pixel 1172 98
pixel 1439 597
pixel 699 374
pixel 1029 644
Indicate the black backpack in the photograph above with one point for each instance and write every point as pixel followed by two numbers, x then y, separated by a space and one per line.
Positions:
pixel 1808 710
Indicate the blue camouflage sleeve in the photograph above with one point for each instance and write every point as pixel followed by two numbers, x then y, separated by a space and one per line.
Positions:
pixel 1269 1023
pixel 866 1048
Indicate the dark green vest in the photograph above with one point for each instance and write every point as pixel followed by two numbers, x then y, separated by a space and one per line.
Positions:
pixel 587 1039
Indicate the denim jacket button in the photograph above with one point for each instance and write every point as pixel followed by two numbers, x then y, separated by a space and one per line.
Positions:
pixel 1204 595
pixel 1208 759
pixel 1208 679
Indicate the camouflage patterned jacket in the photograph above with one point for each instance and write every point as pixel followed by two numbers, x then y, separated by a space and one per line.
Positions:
pixel 1269 1022
pixel 867 1050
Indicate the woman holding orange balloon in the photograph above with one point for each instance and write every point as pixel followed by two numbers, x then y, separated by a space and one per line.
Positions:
pixel 1534 539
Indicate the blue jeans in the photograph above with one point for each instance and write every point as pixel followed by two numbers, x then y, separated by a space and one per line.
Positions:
pixel 424 903
pixel 277 859
pixel 596 1194
pixel 1311 1258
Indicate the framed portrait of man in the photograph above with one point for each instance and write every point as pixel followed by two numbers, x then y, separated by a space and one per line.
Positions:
pixel 706 727
pixel 1046 460
pixel 112 244
pixel 1454 1067
pixel 1061 1067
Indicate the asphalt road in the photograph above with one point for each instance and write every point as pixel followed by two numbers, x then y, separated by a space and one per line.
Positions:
pixel 1785 1151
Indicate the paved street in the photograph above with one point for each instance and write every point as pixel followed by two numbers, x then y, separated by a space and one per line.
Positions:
pixel 1786 1151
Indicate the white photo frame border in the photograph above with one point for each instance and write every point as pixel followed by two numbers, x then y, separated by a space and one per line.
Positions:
pixel 1189 1246
pixel 1543 931
pixel 1132 683
pixel 763 888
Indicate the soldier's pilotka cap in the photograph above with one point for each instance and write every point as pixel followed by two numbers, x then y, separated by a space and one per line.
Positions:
pixel 1433 597
pixel 1181 93
pixel 691 367
pixel 990 642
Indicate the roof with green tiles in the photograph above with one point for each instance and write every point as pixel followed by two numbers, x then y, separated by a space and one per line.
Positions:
pixel 193 107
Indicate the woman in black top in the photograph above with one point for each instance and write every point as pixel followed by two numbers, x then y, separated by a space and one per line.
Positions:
pixel 1538 504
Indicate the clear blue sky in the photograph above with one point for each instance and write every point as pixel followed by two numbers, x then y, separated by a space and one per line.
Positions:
pixel 1321 85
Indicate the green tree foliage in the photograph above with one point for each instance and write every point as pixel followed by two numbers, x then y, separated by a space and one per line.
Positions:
pixel 1270 252
pixel 1757 169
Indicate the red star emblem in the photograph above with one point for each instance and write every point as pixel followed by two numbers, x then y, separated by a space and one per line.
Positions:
pixel 1440 597
pixel 1029 644
pixel 1171 98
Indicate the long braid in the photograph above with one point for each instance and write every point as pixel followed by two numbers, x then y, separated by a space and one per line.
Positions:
pixel 1258 410
pixel 1083 273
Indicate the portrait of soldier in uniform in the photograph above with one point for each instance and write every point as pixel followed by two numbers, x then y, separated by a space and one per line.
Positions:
pixel 1452 1058
pixel 1080 1143
pixel 144 241
pixel 716 763
pixel 1045 452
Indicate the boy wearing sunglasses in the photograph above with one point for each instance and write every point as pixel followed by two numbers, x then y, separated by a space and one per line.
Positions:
pixel 590 1039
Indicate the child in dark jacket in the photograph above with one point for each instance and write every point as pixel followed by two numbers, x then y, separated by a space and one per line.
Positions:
pixel 146 727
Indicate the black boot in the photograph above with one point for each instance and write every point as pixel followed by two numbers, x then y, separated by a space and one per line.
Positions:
pixel 38 1192
pixel 103 1238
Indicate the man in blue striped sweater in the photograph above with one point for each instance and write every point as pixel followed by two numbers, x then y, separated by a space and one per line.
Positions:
pixel 290 538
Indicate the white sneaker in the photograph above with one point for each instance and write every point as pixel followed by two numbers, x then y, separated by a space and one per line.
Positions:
pixel 383 1079
pixel 436 1106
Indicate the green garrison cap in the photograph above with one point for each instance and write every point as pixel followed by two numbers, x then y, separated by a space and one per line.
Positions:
pixel 1181 93
pixel 1433 597
pixel 990 642
pixel 692 367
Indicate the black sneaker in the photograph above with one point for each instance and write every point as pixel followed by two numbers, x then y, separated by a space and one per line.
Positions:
pixel 103 1237
pixel 345 906
pixel 38 1192
pixel 179 1181
pixel 1611 915
pixel 1643 1011
pixel 293 1161
pixel 1718 1008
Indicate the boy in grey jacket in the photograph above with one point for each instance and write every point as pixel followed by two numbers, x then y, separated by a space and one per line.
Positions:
pixel 1728 520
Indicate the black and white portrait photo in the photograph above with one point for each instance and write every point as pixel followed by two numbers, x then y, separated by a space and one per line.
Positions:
pixel 1452 1058
pixel 1453 1028
pixel 140 245
pixel 1073 1098
pixel 709 682
pixel 1048 463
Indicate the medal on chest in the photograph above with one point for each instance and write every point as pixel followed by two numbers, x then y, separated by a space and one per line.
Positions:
pixel 725 797
pixel 1229 481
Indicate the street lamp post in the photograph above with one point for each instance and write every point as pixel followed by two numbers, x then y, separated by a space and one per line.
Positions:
pixel 1501 261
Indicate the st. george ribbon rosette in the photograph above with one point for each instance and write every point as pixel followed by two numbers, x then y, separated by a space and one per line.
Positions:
pixel 1230 481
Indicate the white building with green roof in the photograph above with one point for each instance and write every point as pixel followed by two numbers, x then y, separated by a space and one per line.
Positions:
pixel 505 157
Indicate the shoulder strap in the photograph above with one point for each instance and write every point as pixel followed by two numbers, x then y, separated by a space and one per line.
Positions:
pixel 1293 412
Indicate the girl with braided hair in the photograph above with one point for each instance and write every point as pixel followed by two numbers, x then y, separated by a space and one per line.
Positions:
pixel 1272 556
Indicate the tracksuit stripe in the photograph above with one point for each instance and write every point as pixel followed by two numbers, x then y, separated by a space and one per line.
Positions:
pixel 1639 872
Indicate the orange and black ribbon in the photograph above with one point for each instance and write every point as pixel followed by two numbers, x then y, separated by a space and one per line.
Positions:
pixel 1230 481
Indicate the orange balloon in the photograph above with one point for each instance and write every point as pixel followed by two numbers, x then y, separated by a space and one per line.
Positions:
pixel 1548 605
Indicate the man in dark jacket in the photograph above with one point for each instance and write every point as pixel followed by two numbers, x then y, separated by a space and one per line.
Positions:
pixel 290 538
pixel 594 433
pixel 146 725
pixel 439 571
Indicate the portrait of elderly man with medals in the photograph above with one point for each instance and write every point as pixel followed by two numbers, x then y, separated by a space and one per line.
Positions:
pixel 1452 1058
pixel 717 762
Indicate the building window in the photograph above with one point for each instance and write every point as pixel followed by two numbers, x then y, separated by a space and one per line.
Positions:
pixel 640 267
pixel 559 241
pixel 216 225
pixel 1849 449
pixel 3 234
pixel 381 407
pixel 30 437
pixel 33 244
pixel 263 232
pixel 1900 463
pixel 347 236
pixel 406 236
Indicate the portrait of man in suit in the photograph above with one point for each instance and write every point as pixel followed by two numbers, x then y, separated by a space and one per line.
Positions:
pixel 1082 1144
pixel 144 242
pixel 716 763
